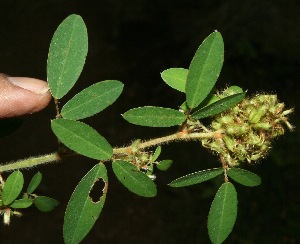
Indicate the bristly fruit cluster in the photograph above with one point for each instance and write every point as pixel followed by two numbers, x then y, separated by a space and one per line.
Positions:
pixel 249 129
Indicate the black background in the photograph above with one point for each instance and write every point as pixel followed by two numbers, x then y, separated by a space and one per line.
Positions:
pixel 133 41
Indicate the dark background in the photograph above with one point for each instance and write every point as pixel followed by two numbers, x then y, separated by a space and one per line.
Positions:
pixel 133 41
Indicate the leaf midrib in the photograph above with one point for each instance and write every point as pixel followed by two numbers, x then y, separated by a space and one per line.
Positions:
pixel 85 203
pixel 59 81
pixel 131 176
pixel 90 101
pixel 88 142
pixel 198 84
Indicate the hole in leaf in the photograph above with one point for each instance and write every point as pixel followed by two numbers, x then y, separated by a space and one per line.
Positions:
pixel 99 188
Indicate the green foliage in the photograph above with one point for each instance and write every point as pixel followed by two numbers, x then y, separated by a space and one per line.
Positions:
pixel 218 106
pixel 12 187
pixel 81 138
pixel 175 78
pixel 82 211
pixel 45 204
pixel 92 100
pixel 196 178
pixel 244 177
pixel 133 179
pixel 154 116
pixel 241 130
pixel 34 183
pixel 12 200
pixel 222 214
pixel 210 99
pixel 204 69
pixel 164 164
pixel 67 53
pixel 156 154
pixel 21 203
pixel 233 90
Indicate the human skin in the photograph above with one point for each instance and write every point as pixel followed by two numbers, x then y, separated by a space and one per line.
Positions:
pixel 22 95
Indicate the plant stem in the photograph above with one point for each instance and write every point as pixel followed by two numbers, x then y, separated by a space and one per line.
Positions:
pixel 180 136
pixel 56 102
pixel 54 157
pixel 31 162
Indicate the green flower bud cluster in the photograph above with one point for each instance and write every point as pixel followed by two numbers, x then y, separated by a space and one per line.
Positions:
pixel 141 159
pixel 249 128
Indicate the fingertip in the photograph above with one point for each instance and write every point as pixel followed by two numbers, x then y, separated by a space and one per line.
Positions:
pixel 34 85
pixel 22 95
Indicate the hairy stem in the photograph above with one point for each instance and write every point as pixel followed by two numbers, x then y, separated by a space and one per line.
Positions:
pixel 180 136
pixel 31 162
pixel 53 157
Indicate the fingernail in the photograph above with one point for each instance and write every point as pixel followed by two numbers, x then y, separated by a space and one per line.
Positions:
pixel 31 84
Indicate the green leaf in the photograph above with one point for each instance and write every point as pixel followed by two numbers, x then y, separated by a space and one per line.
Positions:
pixel 154 116
pixel 175 78
pixel 156 154
pixel 164 165
pixel 12 187
pixel 196 178
pixel 210 99
pixel 67 53
pixel 204 69
pixel 244 177
pixel 92 100
pixel 222 214
pixel 218 106
pixel 34 183
pixel 233 90
pixel 45 204
pixel 82 138
pixel 21 203
pixel 133 179
pixel 184 107
pixel 82 211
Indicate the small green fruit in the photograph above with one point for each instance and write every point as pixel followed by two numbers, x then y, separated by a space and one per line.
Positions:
pixel 256 115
